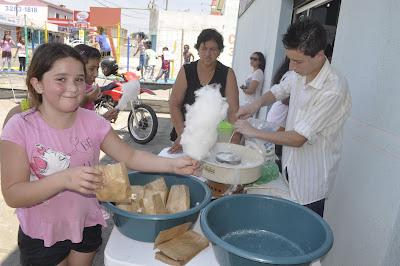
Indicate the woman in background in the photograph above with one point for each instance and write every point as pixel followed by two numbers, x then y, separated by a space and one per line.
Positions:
pixel 254 82
pixel 191 77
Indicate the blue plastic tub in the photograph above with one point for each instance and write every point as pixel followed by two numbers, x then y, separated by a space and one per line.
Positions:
pixel 145 227
pixel 263 230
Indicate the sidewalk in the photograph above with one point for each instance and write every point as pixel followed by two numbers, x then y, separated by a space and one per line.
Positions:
pixel 9 254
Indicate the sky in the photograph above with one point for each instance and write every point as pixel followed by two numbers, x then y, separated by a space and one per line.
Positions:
pixel 137 20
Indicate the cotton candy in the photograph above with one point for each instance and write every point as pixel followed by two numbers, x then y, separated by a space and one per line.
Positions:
pixel 202 120
pixel 130 92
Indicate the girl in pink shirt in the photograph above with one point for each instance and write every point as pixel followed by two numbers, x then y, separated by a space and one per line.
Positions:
pixel 6 50
pixel 47 158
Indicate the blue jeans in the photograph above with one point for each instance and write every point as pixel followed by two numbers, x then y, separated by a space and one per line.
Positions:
pixel 142 60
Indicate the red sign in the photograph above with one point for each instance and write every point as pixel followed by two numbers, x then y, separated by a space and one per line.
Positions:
pixel 105 16
pixel 82 16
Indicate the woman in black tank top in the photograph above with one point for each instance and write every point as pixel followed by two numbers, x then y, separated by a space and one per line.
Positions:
pixel 206 71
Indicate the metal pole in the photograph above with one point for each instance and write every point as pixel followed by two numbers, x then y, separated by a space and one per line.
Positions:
pixel 26 44
pixel 173 62
pixel 118 42
pixel 84 35
pixel 33 45
pixel 183 33
pixel 45 34
pixel 127 63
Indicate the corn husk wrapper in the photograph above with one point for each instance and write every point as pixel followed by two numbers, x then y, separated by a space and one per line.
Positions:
pixel 152 203
pixel 117 187
pixel 160 186
pixel 182 246
pixel 178 199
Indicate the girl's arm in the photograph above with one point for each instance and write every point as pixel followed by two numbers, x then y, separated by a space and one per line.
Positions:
pixel 143 161
pixel 19 191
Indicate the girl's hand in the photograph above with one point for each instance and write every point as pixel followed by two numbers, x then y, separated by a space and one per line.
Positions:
pixel 83 179
pixel 185 165
pixel 93 94
pixel 111 114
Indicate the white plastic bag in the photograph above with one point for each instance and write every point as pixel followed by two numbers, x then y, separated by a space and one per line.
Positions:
pixel 265 148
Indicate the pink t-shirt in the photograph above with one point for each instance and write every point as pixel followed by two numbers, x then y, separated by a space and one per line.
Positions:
pixel 63 216
pixel 6 45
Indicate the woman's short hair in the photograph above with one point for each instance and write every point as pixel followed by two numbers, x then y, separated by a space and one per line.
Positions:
pixel 210 34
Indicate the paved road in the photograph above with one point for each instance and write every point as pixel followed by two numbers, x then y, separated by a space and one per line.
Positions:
pixel 9 254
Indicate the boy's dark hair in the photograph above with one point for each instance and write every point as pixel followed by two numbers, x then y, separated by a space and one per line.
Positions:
pixel 165 48
pixel 210 34
pixel 87 52
pixel 43 60
pixel 149 44
pixel 261 58
pixel 186 46
pixel 283 68
pixel 307 36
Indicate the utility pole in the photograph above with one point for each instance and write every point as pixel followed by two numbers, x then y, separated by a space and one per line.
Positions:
pixel 166 6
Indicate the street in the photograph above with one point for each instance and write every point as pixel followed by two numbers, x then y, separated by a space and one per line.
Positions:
pixel 9 254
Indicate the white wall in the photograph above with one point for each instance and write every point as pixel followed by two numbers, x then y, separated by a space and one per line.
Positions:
pixel 363 208
pixel 260 29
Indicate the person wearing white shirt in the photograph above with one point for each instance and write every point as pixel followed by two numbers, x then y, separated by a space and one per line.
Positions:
pixel 320 102
pixel 254 82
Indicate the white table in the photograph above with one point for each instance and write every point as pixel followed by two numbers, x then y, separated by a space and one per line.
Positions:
pixel 123 251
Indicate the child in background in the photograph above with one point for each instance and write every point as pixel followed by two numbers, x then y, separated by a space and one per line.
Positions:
pixel 21 53
pixel 150 64
pixel 91 56
pixel 6 50
pixel 47 158
pixel 165 67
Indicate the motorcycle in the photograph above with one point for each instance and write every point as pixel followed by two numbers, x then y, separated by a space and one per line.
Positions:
pixel 142 119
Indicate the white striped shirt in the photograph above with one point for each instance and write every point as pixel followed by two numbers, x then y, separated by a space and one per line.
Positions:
pixel 317 111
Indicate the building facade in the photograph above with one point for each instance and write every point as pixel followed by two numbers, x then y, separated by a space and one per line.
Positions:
pixel 174 29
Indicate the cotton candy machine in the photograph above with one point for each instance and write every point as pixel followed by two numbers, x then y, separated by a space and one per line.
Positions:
pixel 229 167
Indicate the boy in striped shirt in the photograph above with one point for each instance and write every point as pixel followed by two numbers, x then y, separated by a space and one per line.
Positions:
pixel 319 104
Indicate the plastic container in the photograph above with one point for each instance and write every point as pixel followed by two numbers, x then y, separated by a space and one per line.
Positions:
pixel 254 229
pixel 224 130
pixel 144 227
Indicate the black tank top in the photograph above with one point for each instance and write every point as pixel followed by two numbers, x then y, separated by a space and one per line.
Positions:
pixel 193 84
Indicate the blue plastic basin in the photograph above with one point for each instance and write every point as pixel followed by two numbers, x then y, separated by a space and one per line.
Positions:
pixel 263 230
pixel 145 227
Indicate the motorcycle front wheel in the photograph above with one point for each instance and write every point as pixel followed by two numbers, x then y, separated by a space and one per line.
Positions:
pixel 144 130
